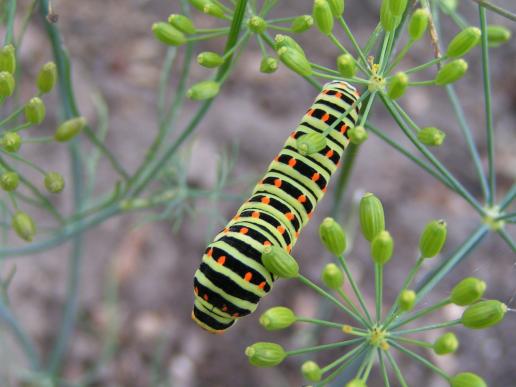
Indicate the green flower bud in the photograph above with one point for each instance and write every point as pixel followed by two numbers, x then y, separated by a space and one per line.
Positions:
pixel 497 35
pixel 432 238
pixel 209 59
pixel 431 136
pixel 295 60
pixel 8 59
pixel 397 85
pixel 7 84
pixel 323 16
pixel 310 143
pixel 54 182
pixel 372 219
pixel 449 6
pixel 467 379
pixel 407 300
pixel 24 226
pixel 200 4
pixel 346 65
pixel 263 354
pixel 337 7
pixel 214 10
pixel 277 318
pixel 281 41
pixel 11 141
pixel 387 19
pixel 418 23
pixel 332 236
pixel 311 371
pixel 382 247
pixel 302 23
pixel 47 77
pixel 468 291
pixel 69 129
pixel 356 383
pixel 35 111
pixel 203 90
pixel 446 344
pixel 257 24
pixel 358 135
pixel 279 262
pixel 332 276
pixel 9 181
pixel 168 34
pixel 484 314
pixel 182 23
pixel 397 7
pixel 268 65
pixel 463 42
pixel 451 72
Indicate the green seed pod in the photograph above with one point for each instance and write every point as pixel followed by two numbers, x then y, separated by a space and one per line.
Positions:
pixel 168 34
pixel 277 318
pixel 346 65
pixel 448 6
pixel 69 129
pixel 302 23
pixel 210 59
pixel 445 344
pixel 432 238
pixel 418 23
pixel 11 141
pixel 200 4
pixel 497 35
pixel 358 135
pixel 397 85
pixel 54 182
pixel 295 60
pixel 279 262
pixel 281 41
pixel 35 111
pixel 263 354
pixel 337 7
pixel 323 16
pixel 372 219
pixel 467 379
pixel 463 42
pixel 332 276
pixel 24 226
pixel 431 136
pixel 397 7
pixel 451 72
pixel 182 23
pixel 268 65
pixel 468 291
pixel 47 77
pixel 257 24
pixel 7 84
pixel 311 371
pixel 9 181
pixel 356 383
pixel 382 247
pixel 387 19
pixel 310 143
pixel 332 236
pixel 203 90
pixel 8 59
pixel 214 10
pixel 407 300
pixel 484 314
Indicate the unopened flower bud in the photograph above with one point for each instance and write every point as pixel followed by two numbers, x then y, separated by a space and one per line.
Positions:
pixel 210 59
pixel 263 354
pixel 372 218
pixel 302 23
pixel 214 10
pixel 418 23
pixel 397 85
pixel 337 7
pixel 451 72
pixel 295 60
pixel 467 379
pixel 431 136
pixel 9 181
pixel 8 59
pixel 358 135
pixel 69 129
pixel 468 291
pixel 182 23
pixel 407 300
pixel 47 77
pixel 257 24
pixel 332 236
pixel 7 84
pixel 323 16
pixel 463 42
pixel 200 4
pixel 311 371
pixel 168 34
pixel 203 90
pixel 382 247
pixel 397 7
pixel 54 182
pixel 445 344
pixel 277 318
pixel 497 35
pixel 356 383
pixel 387 19
pixel 268 65
pixel 332 276
pixel 483 314
pixel 24 226
pixel 11 141
pixel 310 143
pixel 346 65
pixel 432 238
pixel 35 111
pixel 279 262
pixel 286 41
pixel 448 6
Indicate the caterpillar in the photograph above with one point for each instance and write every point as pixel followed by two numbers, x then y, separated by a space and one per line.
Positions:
pixel 231 278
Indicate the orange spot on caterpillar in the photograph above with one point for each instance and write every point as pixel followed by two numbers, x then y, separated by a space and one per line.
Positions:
pixel 324 189
pixel 325 118
pixel 316 176
pixel 205 297
pixel 301 199
pixel 226 230
pixel 196 291
pixel 266 200
pixel 236 217
pixel 296 234
pixel 236 315
pixel 310 214
pixel 338 95
pixel 221 260
pixel 248 276
pixel 244 230
pixel 267 243
pixel 289 215
pixel 293 135
pixel 329 153
pixel 255 214
pixel 338 163
pixel 224 308
pixel 310 112
pixel 292 162
pixel 276 158
pixel 210 252
pixel 289 248
pixel 262 285
pixel 281 229
pixel 277 182
pixel 343 128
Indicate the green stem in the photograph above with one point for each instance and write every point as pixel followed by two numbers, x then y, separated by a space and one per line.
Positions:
pixel 351 37
pixel 507 238
pixel 422 360
pixel 10 16
pixel 421 313
pixel 324 347
pixel 383 368
pixel 400 56
pixel 348 162
pixel 346 360
pixel 429 82
pixel 352 306
pixel 365 361
pixel 378 274
pixel 323 323
pixel 494 8
pixel 419 343
pixel 425 65
pixel 426 328
pixel 396 369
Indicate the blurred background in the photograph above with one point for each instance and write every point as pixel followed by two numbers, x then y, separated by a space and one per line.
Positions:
pixel 134 323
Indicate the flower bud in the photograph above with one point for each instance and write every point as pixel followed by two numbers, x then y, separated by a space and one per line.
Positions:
pixel 203 90
pixel 214 10
pixel 467 291
pixel 382 247
pixel 337 7
pixel 323 16
pixel 372 219
pixel 35 111
pixel 8 59
pixel 200 4
pixel 168 34
pixel 407 299
pixel 358 135
pixel 397 7
pixel 418 23
pixel 47 77
pixel 279 262
pixel 346 65
pixel 467 379
pixel 277 318
pixel 483 314
pixel 24 226
pixel 69 129
pixel 431 136
pixel 397 85
pixel 182 23
pixel 263 354
pixel 257 24
pixel 432 238
pixel 451 72
pixel 497 35
pixel 356 383
pixel 446 344
pixel 7 84
pixel 332 236
pixel 310 143
pixel 54 182
pixel 302 23
pixel 9 181
pixel 463 42
pixel 387 19
pixel 448 6
pixel 311 371
pixel 332 276
pixel 209 59
pixel 295 60
pixel 11 141
pixel 268 65
pixel 286 41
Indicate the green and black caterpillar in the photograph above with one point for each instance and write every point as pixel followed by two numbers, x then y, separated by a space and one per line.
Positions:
pixel 231 278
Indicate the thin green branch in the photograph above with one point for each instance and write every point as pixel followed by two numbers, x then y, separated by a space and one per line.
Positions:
pixel 10 16
pixel 496 9
pixel 507 238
